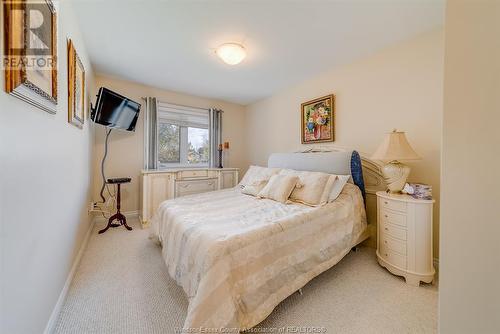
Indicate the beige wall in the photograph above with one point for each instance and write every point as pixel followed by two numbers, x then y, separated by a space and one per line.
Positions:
pixel 126 148
pixel 469 294
pixel 398 87
pixel 45 185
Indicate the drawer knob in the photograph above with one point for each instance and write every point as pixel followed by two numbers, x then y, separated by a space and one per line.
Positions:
pixel 386 216
pixel 386 254
pixel 385 241
pixel 211 184
pixel 385 228
pixel 385 202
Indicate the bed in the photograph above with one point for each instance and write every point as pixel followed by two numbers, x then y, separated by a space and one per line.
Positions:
pixel 237 257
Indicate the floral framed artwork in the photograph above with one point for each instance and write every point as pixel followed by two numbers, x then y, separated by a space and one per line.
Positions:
pixel 30 52
pixel 76 88
pixel 317 125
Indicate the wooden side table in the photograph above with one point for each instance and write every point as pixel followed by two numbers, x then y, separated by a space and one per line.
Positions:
pixel 404 237
pixel 118 215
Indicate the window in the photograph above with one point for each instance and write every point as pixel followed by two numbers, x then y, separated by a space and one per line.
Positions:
pixel 183 136
pixel 198 148
pixel 169 138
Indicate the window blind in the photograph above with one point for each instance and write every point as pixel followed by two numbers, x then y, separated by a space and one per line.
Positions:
pixel 183 115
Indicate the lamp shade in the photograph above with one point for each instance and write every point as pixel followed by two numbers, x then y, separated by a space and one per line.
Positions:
pixel 395 147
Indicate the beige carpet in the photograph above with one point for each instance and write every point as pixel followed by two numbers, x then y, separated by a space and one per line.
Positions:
pixel 122 286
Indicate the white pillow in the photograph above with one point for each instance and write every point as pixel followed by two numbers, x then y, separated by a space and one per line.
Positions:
pixel 257 174
pixel 279 187
pixel 328 188
pixel 338 185
pixel 254 188
pixel 313 187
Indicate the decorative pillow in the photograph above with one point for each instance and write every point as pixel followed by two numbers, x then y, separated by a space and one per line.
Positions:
pixel 257 174
pixel 254 188
pixel 279 187
pixel 338 185
pixel 328 188
pixel 313 187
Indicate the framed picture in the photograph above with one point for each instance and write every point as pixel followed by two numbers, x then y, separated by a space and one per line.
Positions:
pixel 76 87
pixel 30 53
pixel 317 123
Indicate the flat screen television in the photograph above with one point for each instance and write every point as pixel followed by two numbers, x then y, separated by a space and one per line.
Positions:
pixel 115 111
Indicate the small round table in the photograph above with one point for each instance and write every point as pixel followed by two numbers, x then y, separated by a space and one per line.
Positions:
pixel 118 215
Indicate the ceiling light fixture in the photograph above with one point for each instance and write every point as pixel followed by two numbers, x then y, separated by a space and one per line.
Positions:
pixel 231 53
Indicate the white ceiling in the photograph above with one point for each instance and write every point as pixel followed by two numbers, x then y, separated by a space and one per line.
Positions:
pixel 170 44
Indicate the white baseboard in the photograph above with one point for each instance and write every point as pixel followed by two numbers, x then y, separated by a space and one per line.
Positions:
pixel 62 296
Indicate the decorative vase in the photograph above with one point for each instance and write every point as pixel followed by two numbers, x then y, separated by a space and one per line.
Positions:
pixel 395 174
pixel 317 132
pixel 310 127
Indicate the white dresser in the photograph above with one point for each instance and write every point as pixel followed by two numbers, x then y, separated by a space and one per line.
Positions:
pixel 160 185
pixel 404 237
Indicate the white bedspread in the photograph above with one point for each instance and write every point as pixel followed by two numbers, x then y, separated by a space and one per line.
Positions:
pixel 237 257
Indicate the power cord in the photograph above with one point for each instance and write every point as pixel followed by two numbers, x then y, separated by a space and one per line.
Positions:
pixel 110 203
pixel 104 184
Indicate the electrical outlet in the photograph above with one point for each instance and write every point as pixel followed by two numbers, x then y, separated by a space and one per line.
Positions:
pixel 93 207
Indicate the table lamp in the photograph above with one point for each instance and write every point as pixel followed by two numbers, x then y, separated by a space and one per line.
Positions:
pixel 395 147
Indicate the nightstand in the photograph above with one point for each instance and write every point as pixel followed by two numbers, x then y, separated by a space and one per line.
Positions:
pixel 404 236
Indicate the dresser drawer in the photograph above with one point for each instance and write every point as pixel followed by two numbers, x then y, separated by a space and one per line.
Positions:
pixel 186 174
pixel 392 244
pixel 188 187
pixel 393 230
pixel 393 218
pixel 392 257
pixel 392 205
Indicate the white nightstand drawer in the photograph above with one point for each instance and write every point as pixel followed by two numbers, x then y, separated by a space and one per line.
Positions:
pixel 393 218
pixel 393 230
pixel 193 173
pixel 392 257
pixel 183 188
pixel 392 205
pixel 394 244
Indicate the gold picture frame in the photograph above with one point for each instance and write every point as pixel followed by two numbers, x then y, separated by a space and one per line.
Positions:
pixel 76 87
pixel 30 52
pixel 318 120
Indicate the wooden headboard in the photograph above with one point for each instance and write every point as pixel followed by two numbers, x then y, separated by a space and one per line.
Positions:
pixel 374 181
